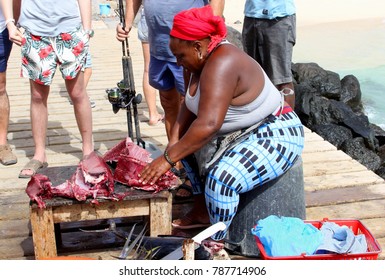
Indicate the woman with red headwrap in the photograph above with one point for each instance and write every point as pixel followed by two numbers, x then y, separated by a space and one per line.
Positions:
pixel 233 122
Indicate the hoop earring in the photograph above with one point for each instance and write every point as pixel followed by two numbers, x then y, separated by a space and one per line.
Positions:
pixel 200 56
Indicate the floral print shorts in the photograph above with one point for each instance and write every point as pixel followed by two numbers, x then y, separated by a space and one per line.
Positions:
pixel 41 55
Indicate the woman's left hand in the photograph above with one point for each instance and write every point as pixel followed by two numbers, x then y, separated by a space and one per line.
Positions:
pixel 152 171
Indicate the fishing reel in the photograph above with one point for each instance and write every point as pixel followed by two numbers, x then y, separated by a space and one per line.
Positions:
pixel 121 97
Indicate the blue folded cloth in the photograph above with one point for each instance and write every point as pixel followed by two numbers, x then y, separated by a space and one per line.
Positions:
pixel 341 240
pixel 287 236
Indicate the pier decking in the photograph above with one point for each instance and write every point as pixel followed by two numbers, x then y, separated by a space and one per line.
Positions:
pixel 337 187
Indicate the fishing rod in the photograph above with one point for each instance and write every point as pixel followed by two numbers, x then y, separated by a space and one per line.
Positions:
pixel 124 95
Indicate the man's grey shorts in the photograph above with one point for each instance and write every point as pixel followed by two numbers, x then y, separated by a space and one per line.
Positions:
pixel 270 42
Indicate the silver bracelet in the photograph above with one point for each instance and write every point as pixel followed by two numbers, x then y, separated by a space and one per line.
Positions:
pixel 9 20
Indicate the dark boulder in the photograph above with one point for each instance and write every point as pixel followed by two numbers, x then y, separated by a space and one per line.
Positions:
pixel 359 124
pixel 351 93
pixel 317 110
pixel 356 149
pixel 335 134
pixel 326 83
pixel 379 133
pixel 234 37
pixel 381 172
pixel 304 93
pixel 333 109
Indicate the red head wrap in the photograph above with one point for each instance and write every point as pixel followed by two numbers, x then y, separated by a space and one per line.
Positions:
pixel 197 24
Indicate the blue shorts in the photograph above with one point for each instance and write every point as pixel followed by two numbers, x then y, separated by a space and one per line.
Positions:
pixel 5 50
pixel 165 75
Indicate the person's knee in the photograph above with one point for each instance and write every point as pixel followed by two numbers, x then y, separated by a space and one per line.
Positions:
pixel 76 89
pixel 79 97
pixel 3 91
pixel 38 97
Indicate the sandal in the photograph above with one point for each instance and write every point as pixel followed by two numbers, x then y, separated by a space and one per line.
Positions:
pixel 34 165
pixel 6 155
pixel 181 173
pixel 185 193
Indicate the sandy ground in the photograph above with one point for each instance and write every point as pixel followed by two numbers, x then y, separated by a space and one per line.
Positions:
pixel 337 34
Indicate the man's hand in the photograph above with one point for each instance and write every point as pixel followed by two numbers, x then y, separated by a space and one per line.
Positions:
pixel 122 33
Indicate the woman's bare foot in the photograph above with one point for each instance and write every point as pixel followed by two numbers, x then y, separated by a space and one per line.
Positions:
pixel 184 190
pixel 196 218
pixel 156 120
pixel 189 223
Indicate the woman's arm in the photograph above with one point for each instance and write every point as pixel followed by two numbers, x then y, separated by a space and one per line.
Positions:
pixel 182 124
pixel 218 82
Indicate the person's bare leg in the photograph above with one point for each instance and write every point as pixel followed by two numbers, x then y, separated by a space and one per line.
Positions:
pixel 39 121
pixel 170 101
pixel 7 157
pixel 79 97
pixel 148 90
pixel 39 118
pixel 289 98
pixel 87 76
pixel 4 110
pixel 197 215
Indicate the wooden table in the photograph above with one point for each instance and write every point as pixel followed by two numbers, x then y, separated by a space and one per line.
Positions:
pixel 157 206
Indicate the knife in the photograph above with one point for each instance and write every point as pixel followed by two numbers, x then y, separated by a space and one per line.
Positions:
pixel 178 253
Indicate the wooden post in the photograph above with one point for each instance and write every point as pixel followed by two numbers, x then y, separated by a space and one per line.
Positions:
pixel 160 216
pixel 43 233
pixel 188 249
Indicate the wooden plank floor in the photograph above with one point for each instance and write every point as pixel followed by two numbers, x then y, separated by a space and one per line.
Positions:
pixel 336 186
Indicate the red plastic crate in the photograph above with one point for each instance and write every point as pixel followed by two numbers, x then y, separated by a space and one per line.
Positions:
pixel 355 225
